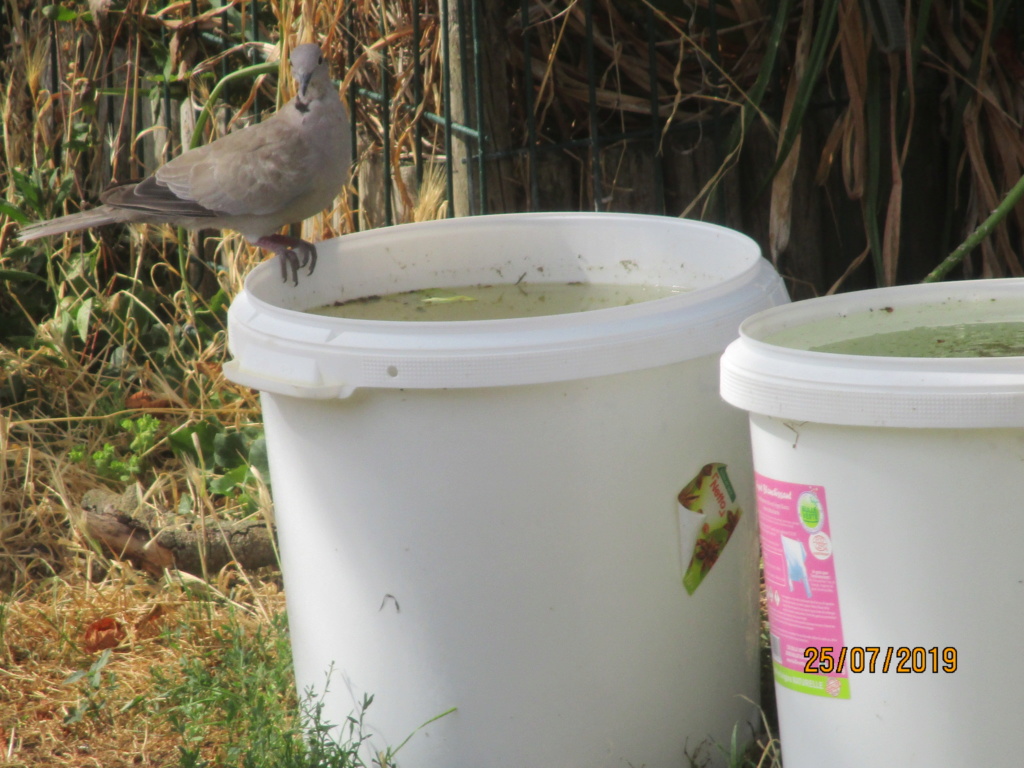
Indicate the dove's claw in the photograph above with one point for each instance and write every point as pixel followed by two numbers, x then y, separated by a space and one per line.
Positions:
pixel 311 259
pixel 308 253
pixel 293 253
pixel 289 259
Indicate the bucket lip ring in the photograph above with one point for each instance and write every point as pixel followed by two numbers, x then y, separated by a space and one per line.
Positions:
pixel 267 271
pixel 920 295
pixel 279 348
pixel 874 390
pixel 649 309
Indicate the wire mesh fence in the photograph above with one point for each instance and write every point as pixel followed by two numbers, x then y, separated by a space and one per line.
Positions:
pixel 518 89
pixel 857 142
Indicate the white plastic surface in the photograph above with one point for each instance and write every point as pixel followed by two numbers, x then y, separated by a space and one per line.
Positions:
pixel 764 377
pixel 514 552
pixel 927 528
pixel 484 515
pixel 278 348
pixel 919 462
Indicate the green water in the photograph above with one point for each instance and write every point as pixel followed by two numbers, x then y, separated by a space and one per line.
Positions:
pixel 1004 339
pixel 495 302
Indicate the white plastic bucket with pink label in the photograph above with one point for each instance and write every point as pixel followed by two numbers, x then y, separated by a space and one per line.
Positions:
pixel 890 495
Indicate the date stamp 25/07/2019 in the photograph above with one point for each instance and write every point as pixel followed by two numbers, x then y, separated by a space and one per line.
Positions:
pixel 859 659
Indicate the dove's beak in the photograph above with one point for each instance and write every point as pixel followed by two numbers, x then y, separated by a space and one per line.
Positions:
pixel 304 82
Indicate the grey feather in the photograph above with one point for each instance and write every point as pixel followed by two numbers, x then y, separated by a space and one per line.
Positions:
pixel 96 217
pixel 149 196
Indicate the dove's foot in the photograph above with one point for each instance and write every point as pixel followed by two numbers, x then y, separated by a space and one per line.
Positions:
pixel 293 253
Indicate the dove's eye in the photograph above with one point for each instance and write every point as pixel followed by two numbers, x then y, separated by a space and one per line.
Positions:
pixel 320 60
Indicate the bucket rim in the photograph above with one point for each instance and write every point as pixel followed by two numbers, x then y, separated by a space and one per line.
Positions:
pixel 278 347
pixel 874 390
pixel 267 272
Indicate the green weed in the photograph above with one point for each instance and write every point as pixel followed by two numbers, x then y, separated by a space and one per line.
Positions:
pixel 244 691
pixel 95 685
pixel 109 463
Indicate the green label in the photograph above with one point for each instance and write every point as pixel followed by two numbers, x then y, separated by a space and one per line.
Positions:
pixel 814 684
pixel 810 512
pixel 725 480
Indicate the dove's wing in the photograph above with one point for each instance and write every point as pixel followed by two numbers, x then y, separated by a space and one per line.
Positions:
pixel 256 171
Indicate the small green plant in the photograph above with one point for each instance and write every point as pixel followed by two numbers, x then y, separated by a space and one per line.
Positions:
pixel 236 456
pixel 244 691
pixel 95 684
pixel 754 751
pixel 124 466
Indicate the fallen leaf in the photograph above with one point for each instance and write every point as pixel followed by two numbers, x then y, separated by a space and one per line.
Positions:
pixel 150 624
pixel 144 400
pixel 211 370
pixel 102 634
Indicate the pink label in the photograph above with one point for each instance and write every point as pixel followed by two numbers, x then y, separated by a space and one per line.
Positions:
pixel 800 587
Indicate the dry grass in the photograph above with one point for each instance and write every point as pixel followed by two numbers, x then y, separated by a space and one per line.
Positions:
pixel 49 634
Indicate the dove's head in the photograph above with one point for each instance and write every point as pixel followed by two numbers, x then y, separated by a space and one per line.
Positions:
pixel 311 72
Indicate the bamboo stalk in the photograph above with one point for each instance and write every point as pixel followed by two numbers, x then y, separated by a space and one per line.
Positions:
pixel 979 234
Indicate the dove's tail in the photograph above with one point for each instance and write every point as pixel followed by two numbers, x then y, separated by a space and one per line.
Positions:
pixel 71 223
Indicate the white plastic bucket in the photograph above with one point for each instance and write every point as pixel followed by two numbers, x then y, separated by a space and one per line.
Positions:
pixel 910 476
pixel 483 515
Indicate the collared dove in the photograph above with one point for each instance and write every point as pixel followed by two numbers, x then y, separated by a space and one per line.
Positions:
pixel 254 181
